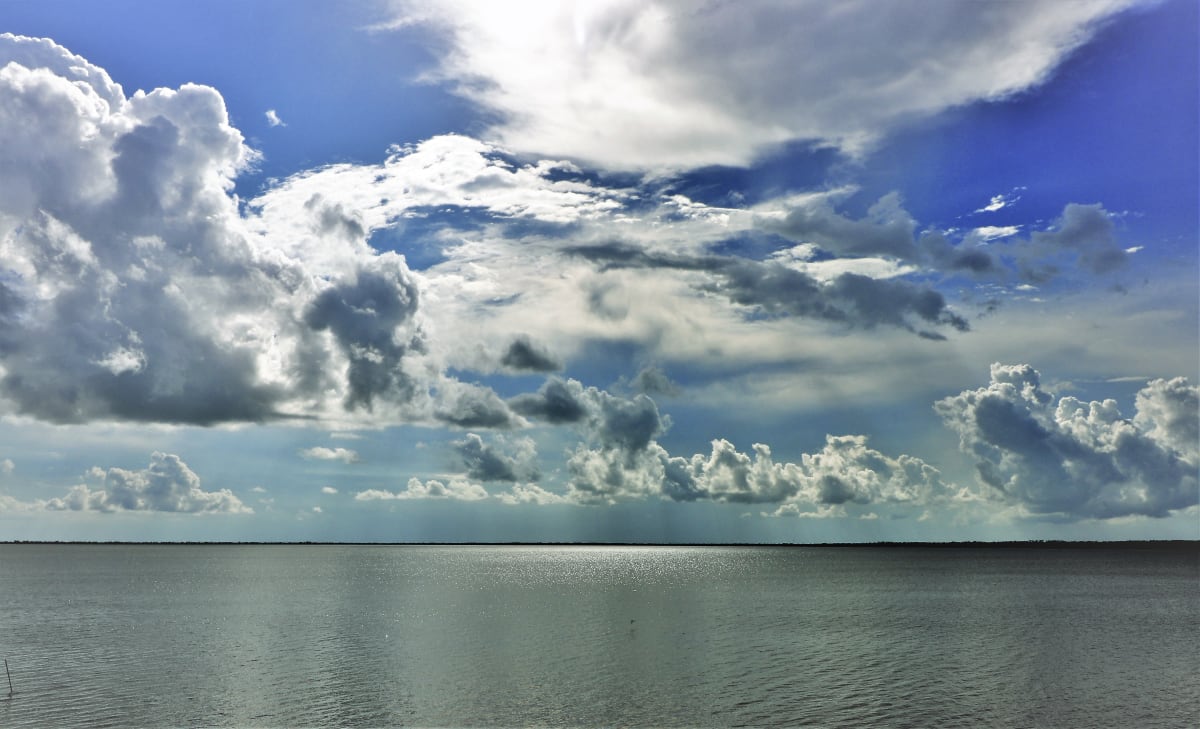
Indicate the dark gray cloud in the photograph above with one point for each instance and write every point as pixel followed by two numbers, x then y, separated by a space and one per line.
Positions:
pixel 627 424
pixel 167 484
pixel 557 401
pixel 976 261
pixel 482 462
pixel 463 405
pixel 653 381
pixel 524 355
pixel 366 316
pixel 1085 231
pixel 777 290
pixel 1075 459
pixel 887 230
pixel 1082 238
pixel 485 462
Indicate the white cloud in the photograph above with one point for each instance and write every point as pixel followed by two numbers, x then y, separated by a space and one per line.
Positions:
pixel 117 220
pixel 167 484
pixel 637 84
pixel 122 226
pixel 992 232
pixel 273 119
pixel 321 453
pixel 1001 201
pixel 530 494
pixel 844 472
pixel 455 489
pixel 328 490
pixel 6 467
pixel 1075 459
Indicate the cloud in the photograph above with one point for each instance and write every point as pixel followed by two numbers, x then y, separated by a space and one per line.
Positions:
pixel 1084 231
pixel 634 84
pixel 447 171
pixel 653 381
pixel 167 484
pixel 1079 460
pixel 369 318
pixel 557 401
pixel 465 405
pixel 6 467
pixel 1001 201
pixel 328 490
pixel 621 459
pixel 844 472
pixel 134 286
pixel 773 289
pixel 1083 237
pixel 992 232
pixel 116 245
pixel 485 462
pixel 886 230
pixel 456 489
pixel 321 453
pixel 628 424
pixel 524 355
pixel 530 494
pixel 273 119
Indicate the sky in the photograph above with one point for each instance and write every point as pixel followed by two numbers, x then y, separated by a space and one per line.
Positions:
pixel 652 271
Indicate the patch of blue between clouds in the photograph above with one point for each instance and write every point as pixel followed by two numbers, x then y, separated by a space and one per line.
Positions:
pixel 1072 140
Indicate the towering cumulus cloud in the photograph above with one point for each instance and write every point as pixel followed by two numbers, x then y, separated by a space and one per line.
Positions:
pixel 132 287
pixel 1077 459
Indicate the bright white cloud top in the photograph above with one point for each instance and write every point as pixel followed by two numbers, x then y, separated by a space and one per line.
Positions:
pixel 636 84
pixel 669 275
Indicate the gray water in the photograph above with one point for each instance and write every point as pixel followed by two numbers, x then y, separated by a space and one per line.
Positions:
pixel 274 636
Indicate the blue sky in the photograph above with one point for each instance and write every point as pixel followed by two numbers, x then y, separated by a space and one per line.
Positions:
pixel 599 271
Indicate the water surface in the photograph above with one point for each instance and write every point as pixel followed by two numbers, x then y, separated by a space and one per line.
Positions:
pixel 273 636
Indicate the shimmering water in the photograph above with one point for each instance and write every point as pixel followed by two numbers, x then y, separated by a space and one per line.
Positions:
pixel 126 636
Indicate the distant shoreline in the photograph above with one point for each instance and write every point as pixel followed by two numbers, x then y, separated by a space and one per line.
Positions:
pixel 1151 544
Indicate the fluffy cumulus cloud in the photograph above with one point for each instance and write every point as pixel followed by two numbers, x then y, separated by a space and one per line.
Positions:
pixel 621 459
pixel 530 494
pixel 1072 459
pixel 133 288
pixel 321 453
pixel 846 472
pixel 719 83
pixel 454 489
pixel 167 484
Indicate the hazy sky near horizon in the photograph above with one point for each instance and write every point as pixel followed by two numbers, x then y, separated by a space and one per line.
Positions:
pixel 611 270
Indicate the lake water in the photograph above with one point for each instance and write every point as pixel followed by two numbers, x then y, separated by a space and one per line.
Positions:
pixel 285 636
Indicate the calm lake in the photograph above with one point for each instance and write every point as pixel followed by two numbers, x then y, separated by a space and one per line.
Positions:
pixel 310 635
